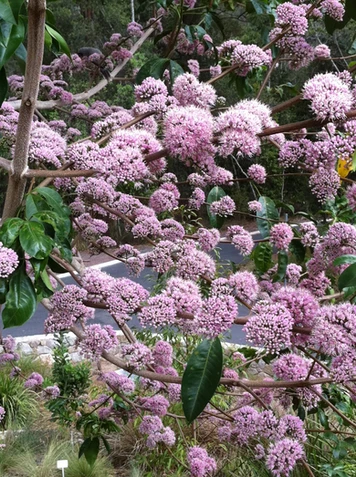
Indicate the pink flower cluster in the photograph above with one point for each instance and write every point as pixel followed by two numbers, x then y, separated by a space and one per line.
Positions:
pixel 153 426
pixel 97 340
pixel 9 261
pixel 200 464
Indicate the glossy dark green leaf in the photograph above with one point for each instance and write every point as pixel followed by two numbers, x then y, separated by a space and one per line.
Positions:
pixel 323 419
pixel 90 449
pixel 63 45
pixel 30 206
pixel 267 217
pixel 298 250
pixel 53 200
pixel 282 267
pixel 16 7
pixel 106 444
pixel 262 257
pixel 55 267
pixel 201 377
pixel 344 259
pixel 154 68
pixel 15 39
pixel 10 229
pixel 214 195
pixel 4 286
pixel 34 241
pixel 175 70
pixel 50 18
pixel 348 277
pixel 21 53
pixel 6 12
pixel 4 86
pixel 21 300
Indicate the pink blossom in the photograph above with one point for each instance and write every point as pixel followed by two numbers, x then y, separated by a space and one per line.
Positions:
pixel 330 98
pixel 208 238
pixel 281 236
pixel 241 239
pixel 190 92
pixel 97 340
pixel 324 184
pixel 257 173
pixel 224 206
pixel 9 261
pixel 255 206
pixel 188 135
pixel 270 326
pixel 283 456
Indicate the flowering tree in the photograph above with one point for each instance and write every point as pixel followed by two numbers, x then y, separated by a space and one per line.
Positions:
pixel 299 290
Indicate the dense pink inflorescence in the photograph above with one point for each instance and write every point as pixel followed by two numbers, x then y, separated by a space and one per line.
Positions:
pixel 281 236
pixel 9 261
pixel 270 326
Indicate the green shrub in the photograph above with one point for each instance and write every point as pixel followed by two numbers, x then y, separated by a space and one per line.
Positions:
pixel 19 403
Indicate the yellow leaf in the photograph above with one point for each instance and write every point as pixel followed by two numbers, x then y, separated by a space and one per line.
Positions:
pixel 344 167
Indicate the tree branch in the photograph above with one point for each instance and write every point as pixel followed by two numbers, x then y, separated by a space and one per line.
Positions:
pixel 80 97
pixel 35 47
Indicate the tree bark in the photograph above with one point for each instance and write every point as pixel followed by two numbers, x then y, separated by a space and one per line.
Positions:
pixel 35 47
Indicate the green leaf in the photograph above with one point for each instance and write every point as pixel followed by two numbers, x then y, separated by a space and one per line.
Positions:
pixel 21 53
pixel 175 70
pixel 262 257
pixel 50 18
pixel 348 277
pixel 34 241
pixel 54 200
pixel 48 40
pixel 3 290
pixel 154 68
pixel 21 299
pixel 282 266
pixel 298 250
pixel 344 259
pixel 90 449
pixel 16 37
pixel 106 444
pixel 30 206
pixel 55 267
pixel 214 195
pixel 268 212
pixel 201 377
pixel 9 231
pixel 350 9
pixel 63 46
pixel 323 419
pixel 6 12
pixel 16 7
pixel 4 86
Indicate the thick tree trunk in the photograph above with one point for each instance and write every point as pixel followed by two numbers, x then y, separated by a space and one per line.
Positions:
pixel 35 46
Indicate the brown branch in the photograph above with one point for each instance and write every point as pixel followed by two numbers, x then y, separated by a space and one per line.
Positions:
pixel 127 125
pixel 5 164
pixel 60 173
pixel 155 155
pixel 286 104
pixel 267 77
pixel 308 123
pixel 35 47
pixel 84 96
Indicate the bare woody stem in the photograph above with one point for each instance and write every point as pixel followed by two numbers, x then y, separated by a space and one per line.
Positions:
pixel 35 46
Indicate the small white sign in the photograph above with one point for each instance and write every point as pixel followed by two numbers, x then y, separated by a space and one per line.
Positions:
pixel 62 464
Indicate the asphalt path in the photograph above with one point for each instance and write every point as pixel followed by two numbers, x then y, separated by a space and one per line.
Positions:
pixel 226 254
